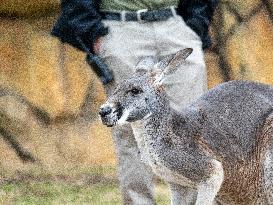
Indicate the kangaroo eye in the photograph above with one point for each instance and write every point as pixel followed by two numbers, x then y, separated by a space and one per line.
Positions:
pixel 136 91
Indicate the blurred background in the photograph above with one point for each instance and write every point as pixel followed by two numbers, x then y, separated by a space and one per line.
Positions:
pixel 53 149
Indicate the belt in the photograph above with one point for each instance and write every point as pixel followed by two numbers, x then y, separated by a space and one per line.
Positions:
pixel 140 15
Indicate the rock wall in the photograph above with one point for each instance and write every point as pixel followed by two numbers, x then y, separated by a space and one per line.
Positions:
pixel 243 40
pixel 49 110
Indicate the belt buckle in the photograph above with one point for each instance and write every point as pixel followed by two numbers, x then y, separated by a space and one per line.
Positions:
pixel 139 14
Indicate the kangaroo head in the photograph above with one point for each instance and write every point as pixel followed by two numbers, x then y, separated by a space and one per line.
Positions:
pixel 139 96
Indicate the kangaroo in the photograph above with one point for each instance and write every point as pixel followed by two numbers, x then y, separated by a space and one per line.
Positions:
pixel 216 150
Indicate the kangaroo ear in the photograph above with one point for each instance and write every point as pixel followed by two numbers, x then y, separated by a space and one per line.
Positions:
pixel 171 63
pixel 146 63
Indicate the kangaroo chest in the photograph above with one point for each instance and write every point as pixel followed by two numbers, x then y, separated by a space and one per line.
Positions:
pixel 151 158
pixel 167 174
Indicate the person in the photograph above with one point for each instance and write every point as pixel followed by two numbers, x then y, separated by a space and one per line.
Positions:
pixel 121 32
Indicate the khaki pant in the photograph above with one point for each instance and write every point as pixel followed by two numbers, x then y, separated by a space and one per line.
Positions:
pixel 121 49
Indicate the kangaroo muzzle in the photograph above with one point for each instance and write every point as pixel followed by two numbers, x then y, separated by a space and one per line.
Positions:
pixel 110 114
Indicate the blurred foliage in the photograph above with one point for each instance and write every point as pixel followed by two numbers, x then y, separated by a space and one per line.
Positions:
pixel 92 185
pixel 57 193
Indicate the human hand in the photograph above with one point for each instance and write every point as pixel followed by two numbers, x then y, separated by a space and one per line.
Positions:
pixel 97 45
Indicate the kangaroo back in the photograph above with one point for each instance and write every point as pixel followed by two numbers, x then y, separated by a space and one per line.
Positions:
pixel 234 112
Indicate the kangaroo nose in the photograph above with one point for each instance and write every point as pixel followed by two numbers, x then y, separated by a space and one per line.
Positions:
pixel 105 111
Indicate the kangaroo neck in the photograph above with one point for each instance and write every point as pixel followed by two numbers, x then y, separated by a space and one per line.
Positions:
pixel 157 125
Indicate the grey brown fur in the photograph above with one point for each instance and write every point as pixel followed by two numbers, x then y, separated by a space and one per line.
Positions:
pixel 216 150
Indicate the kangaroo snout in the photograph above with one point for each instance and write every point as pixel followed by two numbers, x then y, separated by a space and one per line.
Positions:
pixel 110 113
pixel 105 110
